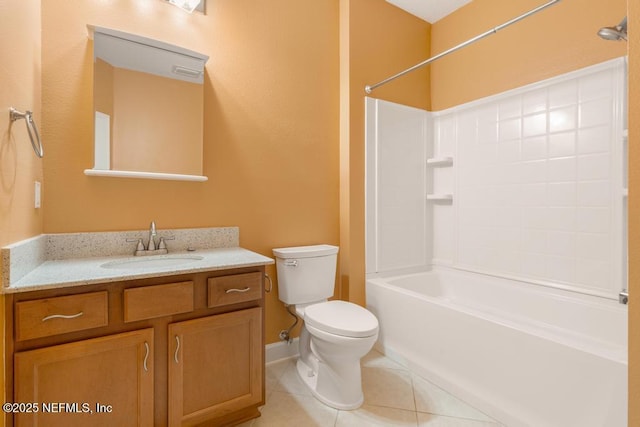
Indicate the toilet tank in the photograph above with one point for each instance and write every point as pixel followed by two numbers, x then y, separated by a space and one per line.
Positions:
pixel 306 273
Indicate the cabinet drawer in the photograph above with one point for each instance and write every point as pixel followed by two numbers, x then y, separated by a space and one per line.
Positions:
pixel 59 315
pixel 233 289
pixel 157 301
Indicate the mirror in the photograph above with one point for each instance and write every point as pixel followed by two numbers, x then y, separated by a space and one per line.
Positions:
pixel 148 108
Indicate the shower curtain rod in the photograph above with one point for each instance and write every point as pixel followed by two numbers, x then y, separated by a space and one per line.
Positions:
pixel 369 88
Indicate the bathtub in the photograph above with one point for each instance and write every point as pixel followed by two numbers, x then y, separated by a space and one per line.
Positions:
pixel 524 354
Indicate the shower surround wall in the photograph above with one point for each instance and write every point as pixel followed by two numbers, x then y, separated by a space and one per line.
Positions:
pixel 398 222
pixel 537 184
pixel 525 191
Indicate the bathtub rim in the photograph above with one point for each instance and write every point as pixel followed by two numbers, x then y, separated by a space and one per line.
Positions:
pixel 559 286
pixel 562 336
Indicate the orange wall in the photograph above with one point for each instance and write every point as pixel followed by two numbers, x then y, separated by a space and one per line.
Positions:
pixel 557 40
pixel 634 213
pixel 20 88
pixel 284 117
pixel 19 166
pixel 277 99
pixel 272 110
pixel 271 124
pixel 376 41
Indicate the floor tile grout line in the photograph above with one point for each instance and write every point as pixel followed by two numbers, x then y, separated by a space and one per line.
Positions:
pixel 415 401
pixel 413 377
pixel 391 407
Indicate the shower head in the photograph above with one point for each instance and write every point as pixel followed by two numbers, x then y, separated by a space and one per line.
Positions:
pixel 619 32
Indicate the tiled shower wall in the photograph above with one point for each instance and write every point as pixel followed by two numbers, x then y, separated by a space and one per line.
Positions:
pixel 537 183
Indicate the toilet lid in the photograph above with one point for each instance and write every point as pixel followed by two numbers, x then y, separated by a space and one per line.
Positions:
pixel 342 318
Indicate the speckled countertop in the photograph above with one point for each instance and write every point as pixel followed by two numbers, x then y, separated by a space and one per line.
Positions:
pixel 86 271
pixel 52 261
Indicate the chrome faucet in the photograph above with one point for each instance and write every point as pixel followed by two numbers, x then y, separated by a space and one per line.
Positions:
pixel 151 248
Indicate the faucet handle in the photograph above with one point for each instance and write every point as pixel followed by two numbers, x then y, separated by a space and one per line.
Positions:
pixel 139 246
pixel 162 244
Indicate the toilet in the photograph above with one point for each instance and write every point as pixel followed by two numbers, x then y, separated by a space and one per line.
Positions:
pixel 335 335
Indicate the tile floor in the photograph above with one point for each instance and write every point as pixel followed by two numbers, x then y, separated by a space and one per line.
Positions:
pixel 393 396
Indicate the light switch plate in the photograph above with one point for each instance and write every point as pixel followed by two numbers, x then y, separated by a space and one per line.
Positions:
pixel 37 195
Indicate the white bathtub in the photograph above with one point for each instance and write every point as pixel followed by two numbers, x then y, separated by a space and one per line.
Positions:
pixel 524 354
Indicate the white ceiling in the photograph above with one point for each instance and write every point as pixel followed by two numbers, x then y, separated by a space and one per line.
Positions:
pixel 429 10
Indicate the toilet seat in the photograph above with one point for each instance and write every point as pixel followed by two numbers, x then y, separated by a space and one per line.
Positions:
pixel 341 318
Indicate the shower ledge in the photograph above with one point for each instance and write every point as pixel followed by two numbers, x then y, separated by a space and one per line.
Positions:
pixel 440 197
pixel 440 161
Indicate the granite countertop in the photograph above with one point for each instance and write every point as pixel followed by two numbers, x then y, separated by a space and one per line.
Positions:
pixel 86 271
pixel 50 261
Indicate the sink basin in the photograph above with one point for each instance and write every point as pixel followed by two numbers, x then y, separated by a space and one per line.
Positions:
pixel 158 261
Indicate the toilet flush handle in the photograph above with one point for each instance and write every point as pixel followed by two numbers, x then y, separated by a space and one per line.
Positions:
pixel 291 263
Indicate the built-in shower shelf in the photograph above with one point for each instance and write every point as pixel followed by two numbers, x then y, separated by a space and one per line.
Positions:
pixel 440 197
pixel 440 161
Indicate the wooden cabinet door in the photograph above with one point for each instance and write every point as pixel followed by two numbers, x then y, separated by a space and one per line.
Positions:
pixel 216 366
pixel 106 381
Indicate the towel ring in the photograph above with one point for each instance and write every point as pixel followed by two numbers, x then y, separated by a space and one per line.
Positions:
pixel 31 129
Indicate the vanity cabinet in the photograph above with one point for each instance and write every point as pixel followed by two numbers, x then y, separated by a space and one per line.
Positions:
pixel 214 366
pixel 83 382
pixel 166 351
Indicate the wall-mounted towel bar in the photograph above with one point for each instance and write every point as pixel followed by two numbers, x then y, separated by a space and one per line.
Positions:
pixel 31 129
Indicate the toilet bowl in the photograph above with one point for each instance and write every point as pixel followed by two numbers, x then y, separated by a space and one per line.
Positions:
pixel 335 335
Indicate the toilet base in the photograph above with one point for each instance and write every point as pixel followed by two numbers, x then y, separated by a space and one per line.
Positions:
pixel 310 377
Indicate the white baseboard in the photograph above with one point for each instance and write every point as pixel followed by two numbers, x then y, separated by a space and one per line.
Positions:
pixel 281 350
